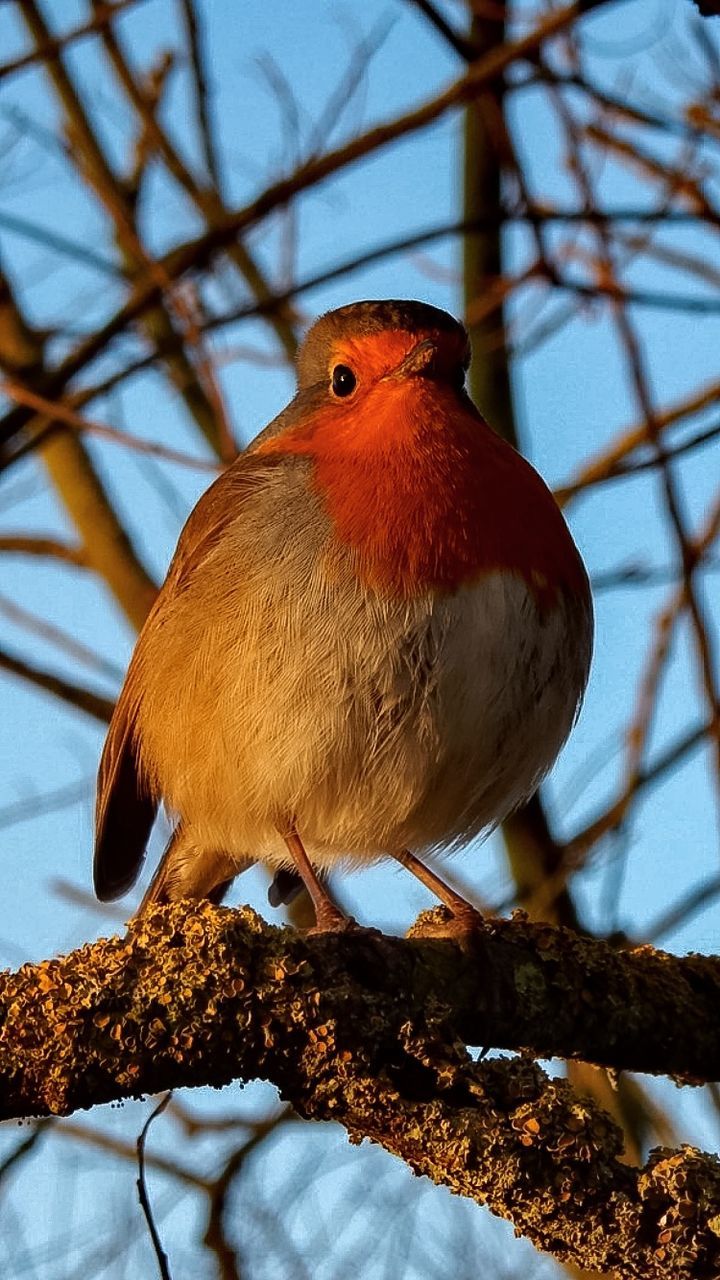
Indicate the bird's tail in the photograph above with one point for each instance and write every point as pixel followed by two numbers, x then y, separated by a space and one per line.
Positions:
pixel 186 871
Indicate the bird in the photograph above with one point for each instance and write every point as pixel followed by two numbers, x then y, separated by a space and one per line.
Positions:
pixel 373 639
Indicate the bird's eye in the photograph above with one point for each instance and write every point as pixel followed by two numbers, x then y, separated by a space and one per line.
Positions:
pixel 343 380
pixel 459 377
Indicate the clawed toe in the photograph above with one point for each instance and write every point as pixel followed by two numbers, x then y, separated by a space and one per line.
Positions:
pixel 440 922
pixel 335 922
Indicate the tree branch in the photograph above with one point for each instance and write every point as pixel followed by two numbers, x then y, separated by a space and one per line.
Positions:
pixel 357 1028
pixel 52 45
pixel 30 544
pixel 73 694
pixel 197 252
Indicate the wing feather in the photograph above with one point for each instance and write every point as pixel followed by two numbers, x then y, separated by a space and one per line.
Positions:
pixel 126 807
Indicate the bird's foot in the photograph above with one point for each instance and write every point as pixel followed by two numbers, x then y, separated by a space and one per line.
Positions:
pixel 330 919
pixel 440 922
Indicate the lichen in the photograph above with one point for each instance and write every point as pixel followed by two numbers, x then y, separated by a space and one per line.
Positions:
pixel 373 1032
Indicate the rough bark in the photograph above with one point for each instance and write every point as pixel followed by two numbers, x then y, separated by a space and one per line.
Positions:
pixel 371 1031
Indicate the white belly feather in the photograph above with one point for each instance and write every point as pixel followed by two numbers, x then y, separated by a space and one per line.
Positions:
pixel 374 725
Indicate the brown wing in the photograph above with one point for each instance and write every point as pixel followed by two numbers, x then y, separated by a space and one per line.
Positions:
pixel 126 808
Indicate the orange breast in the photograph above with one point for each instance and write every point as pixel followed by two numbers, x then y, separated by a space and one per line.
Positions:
pixel 417 483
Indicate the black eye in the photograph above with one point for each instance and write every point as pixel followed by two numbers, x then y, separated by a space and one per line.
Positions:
pixel 459 377
pixel 343 380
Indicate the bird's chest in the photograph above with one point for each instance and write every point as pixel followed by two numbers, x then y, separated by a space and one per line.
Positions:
pixel 444 665
pixel 438 713
pixel 443 521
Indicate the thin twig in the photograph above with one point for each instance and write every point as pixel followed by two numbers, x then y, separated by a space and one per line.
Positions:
pixel 455 39
pixel 58 636
pixel 52 548
pixel 34 806
pixel 56 410
pixel 163 1265
pixel 198 251
pixel 50 47
pixel 24 1147
pixel 200 84
pixel 72 694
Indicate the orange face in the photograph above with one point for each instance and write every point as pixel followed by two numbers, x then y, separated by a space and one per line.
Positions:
pixel 416 482
pixel 374 357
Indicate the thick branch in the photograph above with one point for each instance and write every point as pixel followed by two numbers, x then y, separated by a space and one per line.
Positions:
pixel 107 545
pixel 358 1028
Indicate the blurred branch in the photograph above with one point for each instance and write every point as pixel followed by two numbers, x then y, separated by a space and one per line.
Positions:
pixel 197 252
pixel 610 461
pixel 72 694
pixel 23 1148
pixel 636 363
pixel 702 896
pixel 118 198
pixel 637 775
pixel 35 805
pixel 216 1230
pixel 455 39
pixel 51 45
pixel 84 898
pixel 51 239
pixel 43 548
pixel 60 638
pixel 112 1145
pixel 574 852
pixel 200 84
pixel 207 199
pixel 357 1028
pixel 108 547
pixel 56 411
pixel 104 541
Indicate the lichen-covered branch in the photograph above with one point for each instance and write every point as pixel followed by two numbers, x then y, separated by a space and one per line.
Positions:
pixel 371 1031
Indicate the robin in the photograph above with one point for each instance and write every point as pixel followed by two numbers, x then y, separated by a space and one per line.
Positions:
pixel 372 641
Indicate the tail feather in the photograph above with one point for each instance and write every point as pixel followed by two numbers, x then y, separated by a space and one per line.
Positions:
pixel 186 871
pixel 285 887
pixel 125 808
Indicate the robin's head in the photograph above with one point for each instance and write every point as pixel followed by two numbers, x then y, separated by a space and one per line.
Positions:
pixel 410 474
pixel 349 352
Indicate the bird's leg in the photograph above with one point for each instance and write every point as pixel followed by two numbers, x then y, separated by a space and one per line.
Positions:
pixel 463 911
pixel 328 916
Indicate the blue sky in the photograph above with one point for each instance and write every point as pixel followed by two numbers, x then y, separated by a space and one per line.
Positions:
pixel 572 395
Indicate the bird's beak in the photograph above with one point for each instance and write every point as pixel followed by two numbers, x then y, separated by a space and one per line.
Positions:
pixel 417 362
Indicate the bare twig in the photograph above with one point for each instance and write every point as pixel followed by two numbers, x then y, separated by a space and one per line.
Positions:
pixel 162 1259
pixel 72 694
pixel 57 636
pixel 43 548
pixel 57 411
pixel 51 46
pixel 200 84
pixel 24 1147
pixel 197 252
